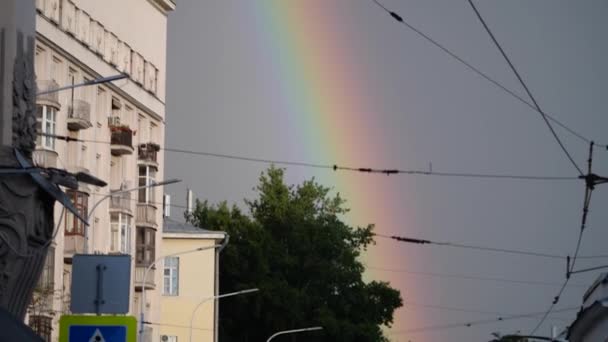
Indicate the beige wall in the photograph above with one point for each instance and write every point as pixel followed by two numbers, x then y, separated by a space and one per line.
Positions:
pixel 196 282
pixel 141 25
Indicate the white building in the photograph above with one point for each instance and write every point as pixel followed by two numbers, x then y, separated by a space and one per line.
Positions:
pixel 591 324
pixel 118 129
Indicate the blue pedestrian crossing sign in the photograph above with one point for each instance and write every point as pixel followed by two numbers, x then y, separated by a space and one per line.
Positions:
pixel 79 328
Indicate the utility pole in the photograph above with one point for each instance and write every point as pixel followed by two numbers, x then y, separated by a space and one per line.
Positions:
pixel 26 210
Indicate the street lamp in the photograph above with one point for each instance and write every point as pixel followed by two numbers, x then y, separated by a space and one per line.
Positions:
pixel 143 288
pixel 87 83
pixel 151 185
pixel 284 332
pixel 216 297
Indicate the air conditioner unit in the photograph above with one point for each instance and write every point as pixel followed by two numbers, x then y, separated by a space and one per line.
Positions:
pixel 114 121
pixel 164 338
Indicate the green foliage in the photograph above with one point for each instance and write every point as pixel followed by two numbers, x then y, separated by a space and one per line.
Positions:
pixel 303 258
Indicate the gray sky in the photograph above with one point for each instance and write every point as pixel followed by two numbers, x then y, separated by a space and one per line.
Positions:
pixel 227 94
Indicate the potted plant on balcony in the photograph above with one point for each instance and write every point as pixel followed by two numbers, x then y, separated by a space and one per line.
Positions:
pixel 150 146
pixel 120 128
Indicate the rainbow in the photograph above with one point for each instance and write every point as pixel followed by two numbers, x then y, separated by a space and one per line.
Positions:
pixel 329 117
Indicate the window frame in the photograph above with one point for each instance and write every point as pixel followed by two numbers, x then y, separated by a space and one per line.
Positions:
pixel 46 116
pixel 81 203
pixel 171 280
pixel 42 325
pixel 47 276
pixel 121 227
pixel 146 195
pixel 145 251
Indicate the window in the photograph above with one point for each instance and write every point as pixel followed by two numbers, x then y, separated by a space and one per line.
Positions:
pixel 102 109
pixel 45 288
pixel 140 129
pixel 46 122
pixel 146 246
pixel 127 115
pixel 171 276
pixel 40 63
pixel 46 282
pixel 42 326
pixel 120 226
pixel 73 225
pixel 57 70
pixel 153 130
pixel 147 176
pixel 75 93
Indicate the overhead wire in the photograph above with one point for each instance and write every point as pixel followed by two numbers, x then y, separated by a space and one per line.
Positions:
pixel 525 86
pixel 589 186
pixel 483 248
pixel 476 323
pixel 456 309
pixel 336 167
pixel 476 70
pixel 468 277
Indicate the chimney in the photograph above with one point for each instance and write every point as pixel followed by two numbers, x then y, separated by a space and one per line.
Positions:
pixel 189 202
pixel 166 205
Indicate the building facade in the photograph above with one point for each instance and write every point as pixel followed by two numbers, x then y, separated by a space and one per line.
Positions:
pixel 591 324
pixel 113 131
pixel 189 283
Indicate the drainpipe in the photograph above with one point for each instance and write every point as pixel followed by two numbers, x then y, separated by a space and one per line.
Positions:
pixel 216 305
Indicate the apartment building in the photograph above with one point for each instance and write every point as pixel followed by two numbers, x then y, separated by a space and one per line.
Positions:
pixel 591 323
pixel 189 283
pixel 114 130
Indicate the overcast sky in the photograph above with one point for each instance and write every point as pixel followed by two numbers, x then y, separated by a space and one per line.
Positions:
pixel 241 72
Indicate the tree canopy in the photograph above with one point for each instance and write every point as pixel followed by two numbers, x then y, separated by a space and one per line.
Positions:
pixel 294 247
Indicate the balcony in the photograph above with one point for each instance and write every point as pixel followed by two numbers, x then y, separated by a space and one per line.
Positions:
pixel 51 99
pixel 146 215
pixel 139 277
pixel 148 153
pixel 79 115
pixel 45 158
pixel 73 244
pixel 122 140
pixel 121 202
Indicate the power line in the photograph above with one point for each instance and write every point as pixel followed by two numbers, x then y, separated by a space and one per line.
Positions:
pixel 336 167
pixel 591 180
pixel 523 84
pixel 176 326
pixel 449 308
pixel 483 248
pixel 475 323
pixel 400 19
pixel 469 277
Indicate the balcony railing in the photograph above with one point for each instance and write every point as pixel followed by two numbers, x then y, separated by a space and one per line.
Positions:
pixel 146 215
pixel 45 158
pixel 139 277
pixel 121 201
pixel 79 115
pixel 122 140
pixel 148 153
pixel 50 98
pixel 73 244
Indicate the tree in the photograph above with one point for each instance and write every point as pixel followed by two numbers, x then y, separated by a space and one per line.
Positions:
pixel 295 248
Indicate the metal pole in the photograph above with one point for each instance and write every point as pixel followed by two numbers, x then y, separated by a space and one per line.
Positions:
pixel 215 297
pixel 143 288
pixel 294 331
pixel 87 83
